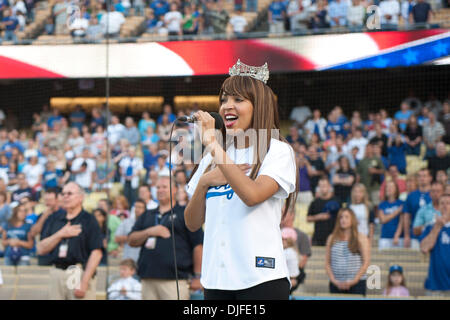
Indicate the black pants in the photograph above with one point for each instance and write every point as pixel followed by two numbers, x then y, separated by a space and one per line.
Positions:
pixel 359 288
pixel 270 290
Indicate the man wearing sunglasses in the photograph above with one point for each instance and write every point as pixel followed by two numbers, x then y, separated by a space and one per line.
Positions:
pixel 73 240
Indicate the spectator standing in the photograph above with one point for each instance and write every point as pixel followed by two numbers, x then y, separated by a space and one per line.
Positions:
pixel 441 161
pixel 78 28
pixel 435 241
pixel 415 200
pixel 5 209
pixel 393 174
pixel 72 237
pixel 11 24
pixel 115 131
pixel 127 287
pixel 77 117
pixel 369 172
pixel 95 30
pixel 316 167
pixel 276 15
pixel 397 152
pixel 316 125
pixel 347 255
pixel 427 214
pixel 337 11
pixel 413 137
pixel 173 20
pixel 112 20
pixel 391 217
pixel 433 132
pixel 359 141
pixel 297 12
pixel 305 194
pixel 33 173
pixel 51 206
pixel 104 172
pixel 403 115
pixel 59 12
pixel 146 122
pixel 101 216
pixel 131 132
pixel 124 229
pixel 343 180
pixel 151 233
pixel 355 16
pixel 389 13
pixel 238 23
pixel 17 239
pixel 421 12
pixel 130 168
pixel 406 8
pixel 83 168
pixel 362 209
pixel 322 212
pixel 319 19
pixel 160 7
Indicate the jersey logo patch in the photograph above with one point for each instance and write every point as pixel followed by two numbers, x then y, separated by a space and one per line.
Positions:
pixel 264 262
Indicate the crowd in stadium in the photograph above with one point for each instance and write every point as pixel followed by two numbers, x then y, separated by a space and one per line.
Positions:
pixel 357 162
pixel 90 20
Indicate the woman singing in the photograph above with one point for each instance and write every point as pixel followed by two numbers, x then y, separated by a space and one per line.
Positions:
pixel 238 192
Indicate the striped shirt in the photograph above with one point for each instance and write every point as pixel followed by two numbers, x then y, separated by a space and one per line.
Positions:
pixel 345 264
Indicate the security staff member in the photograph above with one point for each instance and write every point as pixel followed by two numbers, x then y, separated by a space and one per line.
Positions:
pixel 72 238
pixel 152 232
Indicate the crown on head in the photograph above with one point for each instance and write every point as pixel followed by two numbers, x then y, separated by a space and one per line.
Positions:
pixel 258 73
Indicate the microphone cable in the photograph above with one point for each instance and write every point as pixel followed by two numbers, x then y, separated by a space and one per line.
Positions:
pixel 171 209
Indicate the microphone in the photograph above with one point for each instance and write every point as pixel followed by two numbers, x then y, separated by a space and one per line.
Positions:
pixel 191 119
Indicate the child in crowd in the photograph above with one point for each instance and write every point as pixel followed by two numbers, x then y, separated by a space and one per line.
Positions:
pixel 289 237
pixel 396 286
pixel 127 287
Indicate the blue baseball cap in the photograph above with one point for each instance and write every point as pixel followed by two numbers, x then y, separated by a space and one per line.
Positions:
pixel 395 267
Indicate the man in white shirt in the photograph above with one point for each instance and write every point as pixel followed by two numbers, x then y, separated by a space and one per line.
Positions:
pixel 115 131
pixel 355 15
pixel 79 27
pixel 83 169
pixel 173 20
pixel 33 171
pixel 389 12
pixel 357 141
pixel 113 21
pixel 238 23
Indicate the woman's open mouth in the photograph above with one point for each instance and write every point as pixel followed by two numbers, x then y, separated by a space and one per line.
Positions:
pixel 230 120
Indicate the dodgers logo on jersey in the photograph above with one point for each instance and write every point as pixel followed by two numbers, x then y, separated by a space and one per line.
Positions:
pixel 223 190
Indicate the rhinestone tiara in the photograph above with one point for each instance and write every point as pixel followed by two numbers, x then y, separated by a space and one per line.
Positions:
pixel 258 73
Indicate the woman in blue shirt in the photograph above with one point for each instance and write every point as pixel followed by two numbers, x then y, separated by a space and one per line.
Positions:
pixel 397 152
pixel 390 215
pixel 17 239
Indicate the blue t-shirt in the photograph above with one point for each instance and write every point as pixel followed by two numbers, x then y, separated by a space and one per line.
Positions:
pixel 8 146
pixel 172 118
pixel 439 268
pixel 53 119
pixel 12 26
pixel 150 160
pixel 277 9
pixel 337 126
pixel 399 115
pixel 160 8
pixel 397 156
pixel 414 201
pixel 20 233
pixel 51 178
pixel 388 229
